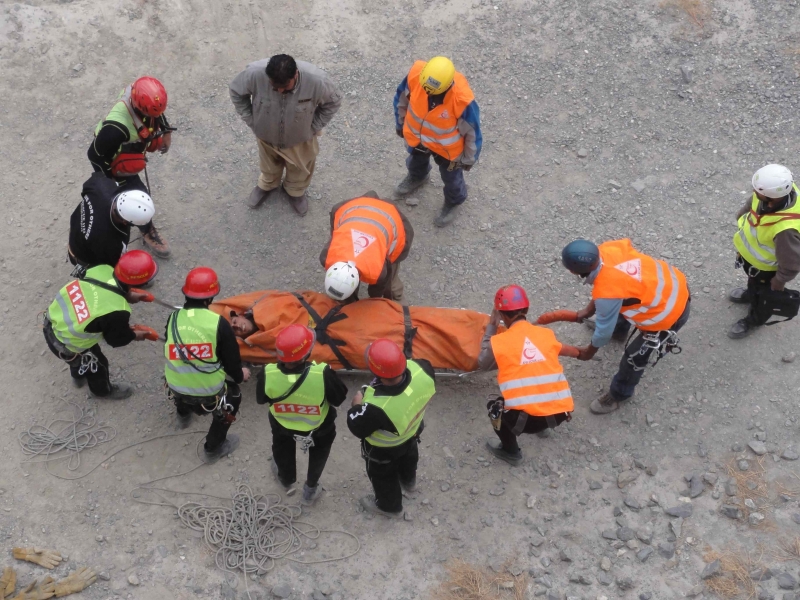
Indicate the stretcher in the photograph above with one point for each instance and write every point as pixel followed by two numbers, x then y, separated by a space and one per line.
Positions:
pixel 450 338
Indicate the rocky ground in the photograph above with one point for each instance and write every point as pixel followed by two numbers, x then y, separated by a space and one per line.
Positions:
pixel 601 119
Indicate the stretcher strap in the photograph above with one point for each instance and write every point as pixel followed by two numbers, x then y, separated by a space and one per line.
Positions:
pixel 408 333
pixel 321 326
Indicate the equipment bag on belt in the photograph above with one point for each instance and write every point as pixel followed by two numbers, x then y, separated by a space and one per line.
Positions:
pixel 128 163
pixel 772 303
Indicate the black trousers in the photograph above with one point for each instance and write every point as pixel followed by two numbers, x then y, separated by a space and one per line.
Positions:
pixel 516 422
pixel 387 468
pixel 760 281
pixel 284 449
pixel 93 358
pixel 218 431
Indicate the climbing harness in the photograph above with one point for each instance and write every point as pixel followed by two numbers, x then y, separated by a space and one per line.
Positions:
pixel 655 344
pixel 305 441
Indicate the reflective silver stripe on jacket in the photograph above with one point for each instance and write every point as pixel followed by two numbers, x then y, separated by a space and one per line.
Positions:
pixel 528 381
pixel 673 298
pixel 769 259
pixel 393 245
pixel 189 369
pixel 295 417
pixel 70 323
pixel 656 300
pixel 197 391
pixel 439 130
pixel 538 398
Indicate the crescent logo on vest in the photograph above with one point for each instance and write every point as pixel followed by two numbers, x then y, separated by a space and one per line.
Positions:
pixel 530 353
pixel 361 241
pixel 631 267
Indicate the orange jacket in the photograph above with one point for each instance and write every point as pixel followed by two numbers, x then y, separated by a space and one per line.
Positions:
pixel 437 129
pixel 530 376
pixel 366 231
pixel 658 289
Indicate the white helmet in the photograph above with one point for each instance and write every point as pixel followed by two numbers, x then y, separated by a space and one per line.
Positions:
pixel 773 181
pixel 341 280
pixel 135 207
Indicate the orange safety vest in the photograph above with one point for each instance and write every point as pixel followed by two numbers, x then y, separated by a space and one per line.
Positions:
pixel 436 129
pixel 530 376
pixel 659 289
pixel 366 231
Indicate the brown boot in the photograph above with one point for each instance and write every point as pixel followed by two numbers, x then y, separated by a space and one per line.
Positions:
pixel 299 204
pixel 257 196
pixel 604 405
pixel 156 243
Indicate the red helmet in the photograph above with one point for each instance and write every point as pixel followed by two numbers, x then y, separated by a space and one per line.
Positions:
pixel 149 97
pixel 136 267
pixel 385 359
pixel 201 283
pixel 511 297
pixel 294 343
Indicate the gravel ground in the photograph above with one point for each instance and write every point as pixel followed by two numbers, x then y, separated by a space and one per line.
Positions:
pixel 606 119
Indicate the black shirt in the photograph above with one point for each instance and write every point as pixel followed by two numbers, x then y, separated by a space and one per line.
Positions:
pixel 365 419
pixel 335 389
pixel 93 237
pixel 227 347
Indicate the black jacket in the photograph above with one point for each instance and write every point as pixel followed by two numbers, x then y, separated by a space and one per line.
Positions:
pixel 93 237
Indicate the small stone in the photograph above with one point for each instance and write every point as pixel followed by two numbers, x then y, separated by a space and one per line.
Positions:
pixel 445 487
pixel 447 452
pixel 644 553
pixel 162 550
pixel 710 478
pixel 506 585
pixel 651 470
pixel 748 502
pixel 545 562
pixel 790 454
pixel 712 570
pixel 412 201
pixel 666 549
pixel 609 534
pixel 498 491
pixel 683 510
pixel 624 583
pixel 763 594
pixel 759 448
pixel 595 485
pixel 604 578
pixel 762 574
pixel 435 521
pixel 530 502
pixel 104 576
pixel 133 580
pixel 645 596
pixel 696 486
pixel 675 527
pixel 632 503
pixel 796 518
pixel 281 590
pixel 731 511
pixel 737 447
pixel 98 538
pixel 627 477
pixel 77 68
pixel 565 555
pixel 583 153
pixel 407 516
pixel 686 73
pixel 553 595
pixel 786 581
pixel 614 184
pixel 789 358
pixel 731 489
pixel 625 534
pixel 743 465
pixel 317 595
pixel 638 185
pixel 645 534
pixel 696 591
pixel 605 563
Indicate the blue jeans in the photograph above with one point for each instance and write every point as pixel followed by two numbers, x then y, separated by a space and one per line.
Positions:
pixel 628 376
pixel 419 165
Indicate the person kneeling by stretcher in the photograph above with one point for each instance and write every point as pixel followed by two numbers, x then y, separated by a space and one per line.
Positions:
pixel 535 392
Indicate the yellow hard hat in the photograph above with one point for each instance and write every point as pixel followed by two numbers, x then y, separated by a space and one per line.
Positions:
pixel 437 75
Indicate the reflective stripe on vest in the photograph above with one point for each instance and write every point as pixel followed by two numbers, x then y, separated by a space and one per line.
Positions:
pixel 658 288
pixel 199 373
pixel 529 373
pixel 306 408
pixel 79 303
pixel 405 411
pixel 391 242
pixel 755 240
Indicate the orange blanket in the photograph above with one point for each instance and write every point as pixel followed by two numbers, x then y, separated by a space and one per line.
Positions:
pixel 450 338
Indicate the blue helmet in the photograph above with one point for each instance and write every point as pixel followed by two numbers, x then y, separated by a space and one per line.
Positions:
pixel 580 257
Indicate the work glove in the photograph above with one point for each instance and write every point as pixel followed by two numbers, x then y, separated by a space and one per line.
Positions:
pixel 399 132
pixel 135 295
pixel 143 332
pixel 554 316
pixel 46 589
pixel 48 559
pixel 8 582
pixel 77 581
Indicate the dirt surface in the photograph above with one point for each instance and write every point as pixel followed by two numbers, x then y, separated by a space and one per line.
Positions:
pixel 590 129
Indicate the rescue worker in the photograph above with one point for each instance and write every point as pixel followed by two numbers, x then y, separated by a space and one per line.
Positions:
pixel 287 104
pixel 535 393
pixel 628 285
pixel 436 114
pixel 92 308
pixel 136 125
pixel 387 416
pixel 201 350
pixel 369 238
pixel 768 246
pixel 301 395
pixel 100 226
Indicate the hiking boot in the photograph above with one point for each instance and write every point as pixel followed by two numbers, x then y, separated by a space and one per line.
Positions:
pixel 368 504
pixel 740 329
pixel 496 448
pixel 276 473
pixel 310 494
pixel 257 196
pixel 230 444
pixel 184 420
pixel 156 243
pixel 119 391
pixel 447 214
pixel 739 296
pixel 409 486
pixel 408 185
pixel 78 382
pixel 299 203
pixel 604 404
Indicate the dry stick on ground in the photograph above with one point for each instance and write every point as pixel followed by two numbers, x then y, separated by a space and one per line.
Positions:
pixel 698 10
pixel 735 578
pixel 468 582
pixel 787 549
